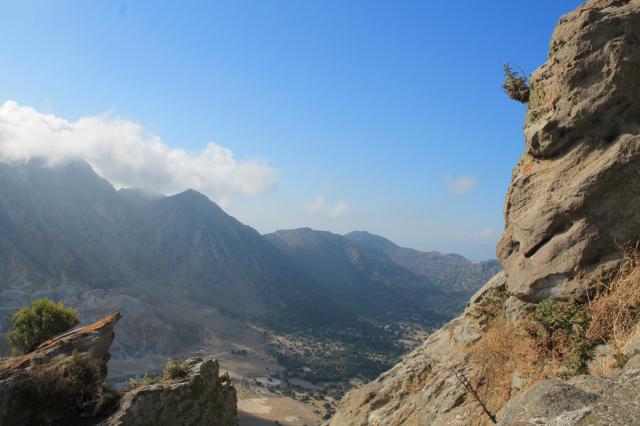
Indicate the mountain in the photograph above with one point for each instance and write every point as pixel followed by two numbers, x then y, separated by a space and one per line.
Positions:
pixel 378 278
pixel 452 273
pixel 190 278
pixel 182 271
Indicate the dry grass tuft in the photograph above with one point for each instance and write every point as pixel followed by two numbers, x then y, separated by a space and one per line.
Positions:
pixel 615 310
pixel 507 352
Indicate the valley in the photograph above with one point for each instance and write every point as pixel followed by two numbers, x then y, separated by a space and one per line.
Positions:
pixel 296 317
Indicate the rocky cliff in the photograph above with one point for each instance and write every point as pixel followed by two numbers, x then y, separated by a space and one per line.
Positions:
pixel 573 196
pixel 571 206
pixel 201 397
pixel 62 382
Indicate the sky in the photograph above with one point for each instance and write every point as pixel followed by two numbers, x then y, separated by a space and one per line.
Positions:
pixel 385 116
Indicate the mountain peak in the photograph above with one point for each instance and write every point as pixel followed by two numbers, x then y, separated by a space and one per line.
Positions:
pixel 371 240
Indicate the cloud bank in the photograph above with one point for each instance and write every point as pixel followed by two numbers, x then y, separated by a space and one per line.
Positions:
pixel 461 185
pixel 331 210
pixel 122 152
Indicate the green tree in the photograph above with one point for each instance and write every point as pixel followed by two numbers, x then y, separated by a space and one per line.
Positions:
pixel 39 322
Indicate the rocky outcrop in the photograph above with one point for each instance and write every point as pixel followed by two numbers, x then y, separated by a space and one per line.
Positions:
pixel 202 397
pixel 423 389
pixel 21 374
pixel 573 196
pixel 61 382
pixel 583 400
pixel 572 203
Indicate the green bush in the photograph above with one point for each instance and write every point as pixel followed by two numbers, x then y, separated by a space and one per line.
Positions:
pixel 39 322
pixel 561 329
pixel 175 369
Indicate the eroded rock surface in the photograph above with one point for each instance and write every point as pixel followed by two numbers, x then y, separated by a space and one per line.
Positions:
pixel 572 203
pixel 573 197
pixel 202 397
pixel 422 389
pixel 583 400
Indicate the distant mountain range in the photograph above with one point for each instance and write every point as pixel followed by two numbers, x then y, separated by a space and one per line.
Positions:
pixel 189 277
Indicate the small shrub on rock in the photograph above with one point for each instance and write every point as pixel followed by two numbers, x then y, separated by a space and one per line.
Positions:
pixel 515 85
pixel 62 392
pixel 138 382
pixel 41 321
pixel 175 369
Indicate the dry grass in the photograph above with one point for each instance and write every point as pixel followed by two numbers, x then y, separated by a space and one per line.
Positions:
pixel 556 338
pixel 506 350
pixel 615 310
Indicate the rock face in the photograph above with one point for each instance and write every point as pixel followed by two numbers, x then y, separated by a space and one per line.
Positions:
pixel 422 389
pixel 583 400
pixel 572 202
pixel 573 195
pixel 202 397
pixel 92 342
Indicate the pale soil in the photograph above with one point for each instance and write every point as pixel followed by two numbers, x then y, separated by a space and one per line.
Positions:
pixel 267 409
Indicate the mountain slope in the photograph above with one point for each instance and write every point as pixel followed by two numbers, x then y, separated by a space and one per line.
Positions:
pixel 187 276
pixel 454 274
pixel 172 261
pixel 370 274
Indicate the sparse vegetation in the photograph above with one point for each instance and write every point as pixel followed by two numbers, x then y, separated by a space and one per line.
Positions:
pixel 138 382
pixel 60 393
pixel 559 328
pixel 490 304
pixel 534 103
pixel 175 369
pixel 615 310
pixel 515 85
pixel 549 342
pixel 39 322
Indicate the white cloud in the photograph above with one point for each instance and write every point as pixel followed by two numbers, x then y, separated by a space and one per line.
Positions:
pixel 461 185
pixel 322 206
pixel 486 233
pixel 122 152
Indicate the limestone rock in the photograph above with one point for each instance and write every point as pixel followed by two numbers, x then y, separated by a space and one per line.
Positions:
pixel 91 341
pixel 202 397
pixel 583 400
pixel 573 195
pixel 422 389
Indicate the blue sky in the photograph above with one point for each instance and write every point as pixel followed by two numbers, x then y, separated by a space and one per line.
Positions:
pixel 383 116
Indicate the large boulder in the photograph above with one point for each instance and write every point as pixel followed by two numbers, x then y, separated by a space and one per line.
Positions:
pixel 202 397
pixel 573 200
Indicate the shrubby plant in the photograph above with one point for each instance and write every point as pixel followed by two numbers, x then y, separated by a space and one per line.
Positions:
pixel 41 321
pixel 175 369
pixel 515 85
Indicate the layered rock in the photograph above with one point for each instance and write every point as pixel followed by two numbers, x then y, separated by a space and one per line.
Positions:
pixel 17 374
pixel 573 198
pixel 202 397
